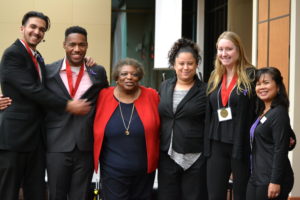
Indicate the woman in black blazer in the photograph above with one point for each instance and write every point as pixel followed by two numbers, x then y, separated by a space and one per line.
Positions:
pixel 182 169
pixel 229 114
pixel 272 175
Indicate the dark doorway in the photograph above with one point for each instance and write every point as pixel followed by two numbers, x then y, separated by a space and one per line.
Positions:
pixel 189 19
pixel 133 34
pixel 215 24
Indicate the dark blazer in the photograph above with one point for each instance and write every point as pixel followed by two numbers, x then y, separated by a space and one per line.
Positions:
pixel 270 148
pixel 243 113
pixel 64 131
pixel 20 123
pixel 187 122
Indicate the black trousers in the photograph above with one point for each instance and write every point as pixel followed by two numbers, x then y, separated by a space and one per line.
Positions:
pixel 69 174
pixel 219 167
pixel 137 187
pixel 22 169
pixel 261 192
pixel 175 183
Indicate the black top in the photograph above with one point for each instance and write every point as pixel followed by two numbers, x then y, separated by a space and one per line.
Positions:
pixel 270 161
pixel 224 130
pixel 187 123
pixel 124 154
pixel 236 131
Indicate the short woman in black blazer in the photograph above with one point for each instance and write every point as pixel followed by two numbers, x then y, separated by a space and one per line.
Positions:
pixel 229 114
pixel 272 175
pixel 181 171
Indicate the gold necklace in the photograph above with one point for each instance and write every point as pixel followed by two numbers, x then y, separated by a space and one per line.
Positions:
pixel 126 128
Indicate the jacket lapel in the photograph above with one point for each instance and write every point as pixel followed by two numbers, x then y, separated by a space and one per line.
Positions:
pixel 169 95
pixel 94 76
pixel 42 67
pixel 29 59
pixel 192 92
pixel 60 83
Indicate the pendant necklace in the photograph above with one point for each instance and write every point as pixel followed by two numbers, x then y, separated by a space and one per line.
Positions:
pixel 130 118
pixel 126 127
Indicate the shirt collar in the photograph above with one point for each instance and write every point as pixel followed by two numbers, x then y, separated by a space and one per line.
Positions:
pixel 63 67
pixel 32 51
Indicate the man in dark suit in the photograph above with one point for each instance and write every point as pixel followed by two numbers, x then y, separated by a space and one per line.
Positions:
pixel 69 138
pixel 22 75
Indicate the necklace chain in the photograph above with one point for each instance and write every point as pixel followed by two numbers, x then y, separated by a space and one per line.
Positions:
pixel 126 128
pixel 129 122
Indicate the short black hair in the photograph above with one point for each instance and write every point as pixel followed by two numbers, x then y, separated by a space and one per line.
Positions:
pixel 75 29
pixel 36 14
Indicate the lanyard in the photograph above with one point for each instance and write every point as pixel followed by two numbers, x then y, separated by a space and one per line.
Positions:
pixel 218 96
pixel 36 64
pixel 225 92
pixel 72 89
pixel 252 129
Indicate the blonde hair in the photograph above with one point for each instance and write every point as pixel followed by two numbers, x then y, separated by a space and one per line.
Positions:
pixel 242 64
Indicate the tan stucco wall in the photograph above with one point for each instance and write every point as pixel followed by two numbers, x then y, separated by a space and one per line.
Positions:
pixel 93 15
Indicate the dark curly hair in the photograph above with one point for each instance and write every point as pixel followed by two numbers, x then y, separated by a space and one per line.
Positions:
pixel 282 97
pixel 183 45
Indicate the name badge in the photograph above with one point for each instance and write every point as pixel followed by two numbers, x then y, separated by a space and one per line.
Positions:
pixel 224 114
pixel 263 119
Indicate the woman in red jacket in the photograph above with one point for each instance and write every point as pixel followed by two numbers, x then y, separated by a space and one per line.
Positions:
pixel 126 140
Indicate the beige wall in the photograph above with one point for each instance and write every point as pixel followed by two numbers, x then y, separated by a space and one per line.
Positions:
pixel 294 88
pixel 240 21
pixel 93 15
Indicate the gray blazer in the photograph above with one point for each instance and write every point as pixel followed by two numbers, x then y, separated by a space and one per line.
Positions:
pixel 64 130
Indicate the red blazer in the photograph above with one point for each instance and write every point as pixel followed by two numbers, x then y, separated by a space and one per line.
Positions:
pixel 147 108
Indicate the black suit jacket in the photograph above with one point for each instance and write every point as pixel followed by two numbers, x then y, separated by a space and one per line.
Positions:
pixel 64 130
pixel 187 123
pixel 243 113
pixel 20 123
pixel 270 148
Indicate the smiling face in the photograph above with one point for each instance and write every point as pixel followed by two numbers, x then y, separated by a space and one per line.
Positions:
pixel 185 66
pixel 266 88
pixel 75 46
pixel 33 31
pixel 128 79
pixel 227 53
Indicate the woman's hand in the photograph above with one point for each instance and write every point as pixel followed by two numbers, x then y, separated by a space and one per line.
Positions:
pixel 273 190
pixel 292 142
pixel 4 102
pixel 89 61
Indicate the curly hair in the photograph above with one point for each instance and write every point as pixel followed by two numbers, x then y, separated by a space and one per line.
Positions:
pixel 244 80
pixel 127 61
pixel 183 45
